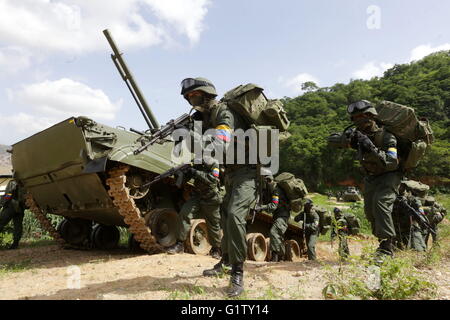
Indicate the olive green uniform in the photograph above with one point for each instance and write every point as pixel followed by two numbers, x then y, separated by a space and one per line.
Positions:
pixel 435 214
pixel 340 229
pixel 204 203
pixel 13 204
pixel 240 185
pixel 311 230
pixel 409 233
pixel 381 183
pixel 279 206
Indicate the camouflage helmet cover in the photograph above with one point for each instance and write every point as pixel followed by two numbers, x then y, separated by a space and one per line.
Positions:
pixel 197 84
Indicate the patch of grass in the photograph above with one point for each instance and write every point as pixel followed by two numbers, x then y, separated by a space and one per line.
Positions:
pixel 395 279
pixel 187 292
pixel 271 293
pixel 15 266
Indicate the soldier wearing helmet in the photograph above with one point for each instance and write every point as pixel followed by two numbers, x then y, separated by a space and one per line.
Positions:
pixel 310 221
pixel 204 202
pixel 240 179
pixel 340 229
pixel 377 149
pixel 277 203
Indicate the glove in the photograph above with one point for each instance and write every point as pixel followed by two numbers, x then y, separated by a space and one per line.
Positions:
pixel 298 217
pixel 365 142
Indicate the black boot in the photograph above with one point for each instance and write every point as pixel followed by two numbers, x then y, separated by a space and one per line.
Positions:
pixel 223 266
pixel 236 286
pixel 384 250
pixel 215 252
pixel 176 248
pixel 275 257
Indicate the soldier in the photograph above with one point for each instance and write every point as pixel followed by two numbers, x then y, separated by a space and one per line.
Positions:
pixel 240 179
pixel 340 228
pixel 409 233
pixel 377 149
pixel 279 206
pixel 310 220
pixel 13 204
pixel 435 214
pixel 204 201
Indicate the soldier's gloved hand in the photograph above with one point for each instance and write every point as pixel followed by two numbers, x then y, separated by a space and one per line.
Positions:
pixel 297 217
pixel 365 142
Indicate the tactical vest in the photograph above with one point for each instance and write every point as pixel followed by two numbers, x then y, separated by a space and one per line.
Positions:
pixel 370 162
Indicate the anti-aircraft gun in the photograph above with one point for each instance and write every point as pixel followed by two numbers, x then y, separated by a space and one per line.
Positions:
pixel 94 176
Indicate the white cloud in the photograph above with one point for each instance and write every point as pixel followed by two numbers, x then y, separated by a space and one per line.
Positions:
pixel 76 25
pixel 41 105
pixel 64 98
pixel 14 59
pixel 372 69
pixel 24 124
pixel 295 83
pixel 423 50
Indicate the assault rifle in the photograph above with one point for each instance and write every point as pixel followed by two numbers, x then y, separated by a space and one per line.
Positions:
pixel 165 131
pixel 178 170
pixel 416 215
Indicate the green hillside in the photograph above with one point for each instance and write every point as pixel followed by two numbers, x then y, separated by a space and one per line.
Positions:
pixel 423 85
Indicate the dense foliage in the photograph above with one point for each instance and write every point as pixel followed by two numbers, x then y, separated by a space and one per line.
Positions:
pixel 423 85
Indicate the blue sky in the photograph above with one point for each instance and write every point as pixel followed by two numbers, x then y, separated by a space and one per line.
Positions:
pixel 54 59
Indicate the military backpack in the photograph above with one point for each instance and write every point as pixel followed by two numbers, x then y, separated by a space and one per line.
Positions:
pixel 353 222
pixel 417 188
pixel 250 102
pixel 294 188
pixel 325 219
pixel 413 135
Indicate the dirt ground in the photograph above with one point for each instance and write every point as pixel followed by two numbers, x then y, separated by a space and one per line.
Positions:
pixel 49 272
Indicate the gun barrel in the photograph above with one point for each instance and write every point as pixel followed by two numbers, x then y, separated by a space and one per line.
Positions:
pixel 132 85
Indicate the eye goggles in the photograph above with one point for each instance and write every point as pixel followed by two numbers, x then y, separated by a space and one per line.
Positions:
pixel 358 106
pixel 191 83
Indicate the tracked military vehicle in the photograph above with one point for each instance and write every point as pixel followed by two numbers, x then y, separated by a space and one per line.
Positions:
pixel 97 177
pixel 351 194
pixel 93 175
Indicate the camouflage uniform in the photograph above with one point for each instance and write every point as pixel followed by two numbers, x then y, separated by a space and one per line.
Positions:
pixel 240 179
pixel 13 204
pixel 377 150
pixel 279 206
pixel 310 220
pixel 436 214
pixel 204 202
pixel 409 234
pixel 340 228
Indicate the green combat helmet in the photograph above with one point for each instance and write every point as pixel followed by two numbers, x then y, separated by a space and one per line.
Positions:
pixel 199 84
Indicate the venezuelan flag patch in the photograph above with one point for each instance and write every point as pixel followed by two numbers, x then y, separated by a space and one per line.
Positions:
pixel 215 172
pixel 275 199
pixel 223 132
pixel 392 152
pixel 7 196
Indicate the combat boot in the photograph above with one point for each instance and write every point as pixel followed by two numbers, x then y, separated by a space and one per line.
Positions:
pixel 274 257
pixel 222 267
pixel 236 286
pixel 384 250
pixel 215 252
pixel 176 248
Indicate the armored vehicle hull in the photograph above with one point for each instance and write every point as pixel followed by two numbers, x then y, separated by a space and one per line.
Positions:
pixel 77 169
